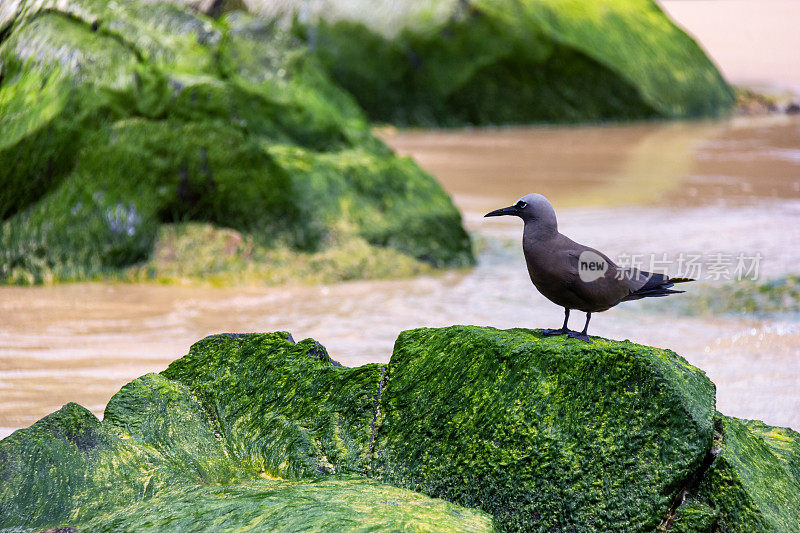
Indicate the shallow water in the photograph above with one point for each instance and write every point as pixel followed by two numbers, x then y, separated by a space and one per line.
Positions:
pixel 729 186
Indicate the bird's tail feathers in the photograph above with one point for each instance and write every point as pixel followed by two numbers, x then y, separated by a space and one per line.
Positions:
pixel 657 285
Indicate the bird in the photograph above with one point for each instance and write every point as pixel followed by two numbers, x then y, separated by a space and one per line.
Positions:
pixel 574 276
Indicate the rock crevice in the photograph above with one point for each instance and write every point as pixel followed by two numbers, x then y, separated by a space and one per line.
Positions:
pixel 695 478
pixel 384 379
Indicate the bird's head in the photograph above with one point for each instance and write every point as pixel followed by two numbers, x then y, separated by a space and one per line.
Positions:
pixel 530 208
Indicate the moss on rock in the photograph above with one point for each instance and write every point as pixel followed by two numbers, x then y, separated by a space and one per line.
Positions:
pixel 69 468
pixel 215 440
pixel 284 408
pixel 256 431
pixel 775 296
pixel 490 61
pixel 350 504
pixel 120 116
pixel 542 433
pixel 194 252
pixel 753 484
pixel 164 415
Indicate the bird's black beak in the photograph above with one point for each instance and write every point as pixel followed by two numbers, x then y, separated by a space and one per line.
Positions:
pixel 510 210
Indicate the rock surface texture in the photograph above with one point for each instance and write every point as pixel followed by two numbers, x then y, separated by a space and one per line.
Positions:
pixel 121 116
pixel 465 429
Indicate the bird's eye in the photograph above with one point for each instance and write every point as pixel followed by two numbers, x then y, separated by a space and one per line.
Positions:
pixel 521 205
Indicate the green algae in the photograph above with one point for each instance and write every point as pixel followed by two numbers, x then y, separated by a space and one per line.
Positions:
pixel 753 484
pixel 122 117
pixel 495 62
pixel 258 432
pixel 771 297
pixel 544 434
pixel 283 408
pixel 349 504
pixel 199 253
pixel 94 491
pixel 214 440
pixel 694 517
pixel 156 412
pixel 69 468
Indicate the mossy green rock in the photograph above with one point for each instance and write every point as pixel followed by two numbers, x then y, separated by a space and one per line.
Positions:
pixel 488 428
pixel 544 434
pixel 355 504
pixel 753 484
pixel 214 443
pixel 121 116
pixel 281 407
pixel 498 61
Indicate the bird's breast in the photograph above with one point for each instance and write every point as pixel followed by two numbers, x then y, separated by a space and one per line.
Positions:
pixel 552 276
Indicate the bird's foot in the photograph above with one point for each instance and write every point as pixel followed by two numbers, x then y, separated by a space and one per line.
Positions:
pixel 580 336
pixel 561 331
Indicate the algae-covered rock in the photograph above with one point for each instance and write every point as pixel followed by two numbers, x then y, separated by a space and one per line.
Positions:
pixel 491 61
pixel 350 504
pixel 69 468
pixel 118 117
pixel 284 408
pixel 763 299
pixel 544 434
pixel 488 428
pixel 752 485
pixel 197 252
pixel 213 444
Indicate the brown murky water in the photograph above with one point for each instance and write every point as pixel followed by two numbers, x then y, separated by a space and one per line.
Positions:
pixel 730 186
pixel 683 164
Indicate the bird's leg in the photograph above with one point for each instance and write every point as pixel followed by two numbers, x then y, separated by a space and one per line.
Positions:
pixel 563 330
pixel 582 335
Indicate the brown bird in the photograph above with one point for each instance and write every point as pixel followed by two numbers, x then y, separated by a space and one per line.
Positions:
pixel 575 276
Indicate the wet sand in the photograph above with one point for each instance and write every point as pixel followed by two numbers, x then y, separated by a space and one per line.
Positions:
pixel 728 186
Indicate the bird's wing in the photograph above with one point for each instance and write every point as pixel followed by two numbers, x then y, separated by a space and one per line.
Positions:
pixel 599 291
